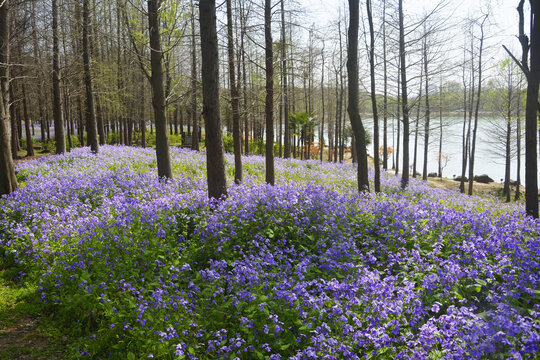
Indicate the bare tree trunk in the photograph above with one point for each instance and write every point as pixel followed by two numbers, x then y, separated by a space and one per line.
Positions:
pixel 398 111
pixel 235 100
pixel 404 102
pixel 29 140
pixel 385 93
pixel 215 163
pixel 158 96
pixel 428 114
pixel 477 107
pixel 176 110
pixel 465 133
pixel 142 120
pixel 321 136
pixel 518 141
pixel 244 80
pixel 12 117
pixel 8 179
pixel 91 126
pixel 287 141
pixel 440 131
pixel 506 189
pixel 194 112
pixel 59 134
pixel 416 125
pixel 531 112
pixel 353 84
pixel 269 104
pixel 376 161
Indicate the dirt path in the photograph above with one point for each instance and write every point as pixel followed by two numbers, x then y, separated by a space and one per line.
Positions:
pixel 20 335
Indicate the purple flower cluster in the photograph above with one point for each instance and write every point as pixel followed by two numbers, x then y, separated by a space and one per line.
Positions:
pixel 306 269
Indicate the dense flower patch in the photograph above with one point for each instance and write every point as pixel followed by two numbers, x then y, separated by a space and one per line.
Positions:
pixel 308 269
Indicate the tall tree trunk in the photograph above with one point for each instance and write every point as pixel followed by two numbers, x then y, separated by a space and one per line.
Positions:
pixel 244 79
pixel 404 102
pixel 416 124
pixel 8 179
pixel 321 136
pixel 476 109
pixel 518 141
pixel 99 119
pixel 235 100
pixel 158 95
pixel 465 132
pixel 215 162
pixel 59 134
pixel 531 112
pixel 440 157
pixel 194 112
pixel 176 110
pixel 269 104
pixel 29 140
pixel 385 93
pixel 353 84
pixel 287 141
pixel 12 117
pixel 376 161
pixel 38 72
pixel 428 114
pixel 506 189
pixel 90 113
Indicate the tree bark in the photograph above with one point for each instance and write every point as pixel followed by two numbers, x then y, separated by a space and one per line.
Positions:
pixel 195 121
pixel 29 140
pixel 287 141
pixel 158 95
pixel 404 101
pixel 476 109
pixel 8 179
pixel 533 79
pixel 385 93
pixel 59 134
pixel 376 161
pixel 215 163
pixel 269 104
pixel 428 115
pixel 353 83
pixel 235 99
pixel 90 112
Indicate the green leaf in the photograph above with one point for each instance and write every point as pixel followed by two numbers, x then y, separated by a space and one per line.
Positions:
pixel 130 356
pixel 285 347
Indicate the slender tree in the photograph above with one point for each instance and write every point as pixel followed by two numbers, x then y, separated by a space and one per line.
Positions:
pixel 269 105
pixel 194 113
pixel 287 141
pixel 376 161
pixel 385 93
pixel 91 124
pixel 59 135
pixel 8 179
pixel 235 100
pixel 215 162
pixel 158 93
pixel 531 113
pixel 353 84
pixel 404 101
pixel 477 107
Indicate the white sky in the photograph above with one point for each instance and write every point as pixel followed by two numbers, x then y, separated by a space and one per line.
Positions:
pixel 504 15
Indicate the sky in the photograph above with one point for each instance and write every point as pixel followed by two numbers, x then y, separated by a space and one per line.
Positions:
pixel 504 15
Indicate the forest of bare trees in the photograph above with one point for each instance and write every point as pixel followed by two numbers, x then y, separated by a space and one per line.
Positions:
pixel 266 79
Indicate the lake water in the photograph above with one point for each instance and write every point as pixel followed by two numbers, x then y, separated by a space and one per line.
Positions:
pixel 489 158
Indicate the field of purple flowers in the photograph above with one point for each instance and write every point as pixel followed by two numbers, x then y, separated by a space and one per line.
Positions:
pixel 135 268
